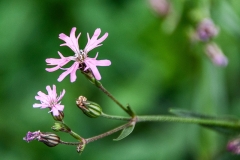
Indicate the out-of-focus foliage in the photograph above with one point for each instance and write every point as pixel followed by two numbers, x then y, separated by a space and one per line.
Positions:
pixel 155 66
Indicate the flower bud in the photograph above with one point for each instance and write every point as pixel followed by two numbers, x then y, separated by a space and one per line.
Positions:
pixel 206 30
pixel 50 139
pixel 216 55
pixel 89 108
pixel 234 146
pixel 59 117
pixel 59 126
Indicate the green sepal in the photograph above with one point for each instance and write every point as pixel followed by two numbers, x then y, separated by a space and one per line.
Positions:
pixel 218 128
pixel 125 132
pixel 92 110
pixel 91 78
pixel 59 126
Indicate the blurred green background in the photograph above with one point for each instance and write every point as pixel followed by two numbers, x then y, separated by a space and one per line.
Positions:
pixel 155 66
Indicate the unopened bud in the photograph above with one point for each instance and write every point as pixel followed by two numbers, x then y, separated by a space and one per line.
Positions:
pixel 59 117
pixel 89 108
pixel 59 126
pixel 234 146
pixel 206 30
pixel 50 139
pixel 216 55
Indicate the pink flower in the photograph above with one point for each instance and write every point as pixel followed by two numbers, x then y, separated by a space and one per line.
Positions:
pixel 80 57
pixel 50 101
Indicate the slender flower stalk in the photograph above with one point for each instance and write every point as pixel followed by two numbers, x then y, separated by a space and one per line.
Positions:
pixel 80 58
pixel 113 98
pixel 88 140
pixel 70 143
pixel 50 100
pixel 115 117
pixel 105 91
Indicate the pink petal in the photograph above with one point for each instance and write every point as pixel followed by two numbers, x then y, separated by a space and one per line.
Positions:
pixel 53 69
pixel 95 72
pixel 48 88
pixel 37 105
pixel 61 95
pixel 72 41
pixel 41 94
pixel 103 62
pixel 58 62
pixel 68 71
pixel 73 76
pixel 94 42
pixel 59 107
pixel 54 111
pixel 90 64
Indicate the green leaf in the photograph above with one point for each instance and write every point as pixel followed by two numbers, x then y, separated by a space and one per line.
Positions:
pixel 125 132
pixel 221 129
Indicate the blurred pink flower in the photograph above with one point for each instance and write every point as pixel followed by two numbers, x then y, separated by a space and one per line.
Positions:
pixel 215 54
pixel 161 7
pixel 206 30
pixel 50 101
pixel 80 57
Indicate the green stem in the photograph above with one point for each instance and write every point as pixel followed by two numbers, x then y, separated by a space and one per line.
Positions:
pixel 115 117
pixel 69 143
pixel 107 133
pixel 98 84
pixel 164 118
pixel 112 97
pixel 215 122
pixel 76 136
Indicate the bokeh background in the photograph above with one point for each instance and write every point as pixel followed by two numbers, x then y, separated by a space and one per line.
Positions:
pixel 156 65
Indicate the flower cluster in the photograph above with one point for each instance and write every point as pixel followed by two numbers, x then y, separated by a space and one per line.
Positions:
pixel 80 58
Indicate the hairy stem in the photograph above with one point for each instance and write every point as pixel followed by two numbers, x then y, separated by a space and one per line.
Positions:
pixel 108 133
pixel 163 118
pixel 116 117
pixel 69 143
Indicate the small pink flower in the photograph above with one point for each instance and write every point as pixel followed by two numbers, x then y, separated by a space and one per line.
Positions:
pixel 50 101
pixel 80 57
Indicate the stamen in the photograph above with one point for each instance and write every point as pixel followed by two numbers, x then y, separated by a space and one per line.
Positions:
pixel 80 56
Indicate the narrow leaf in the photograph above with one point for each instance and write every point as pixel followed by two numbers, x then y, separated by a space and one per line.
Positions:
pixel 125 132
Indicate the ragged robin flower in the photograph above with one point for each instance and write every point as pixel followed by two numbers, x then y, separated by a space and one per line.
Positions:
pixel 81 59
pixel 51 101
pixel 50 139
